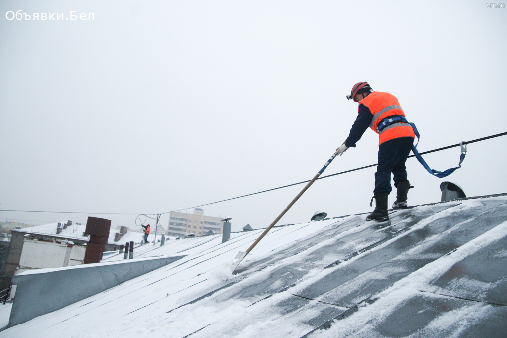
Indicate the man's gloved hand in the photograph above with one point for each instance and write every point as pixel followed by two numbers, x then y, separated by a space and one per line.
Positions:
pixel 341 149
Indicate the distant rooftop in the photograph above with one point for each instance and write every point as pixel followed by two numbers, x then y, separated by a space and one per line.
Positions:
pixel 75 232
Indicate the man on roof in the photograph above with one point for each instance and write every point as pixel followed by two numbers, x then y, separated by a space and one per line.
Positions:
pixel 382 113
pixel 146 229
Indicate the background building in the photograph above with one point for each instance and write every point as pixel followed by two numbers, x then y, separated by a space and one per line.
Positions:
pixel 53 245
pixel 182 224
pixel 7 226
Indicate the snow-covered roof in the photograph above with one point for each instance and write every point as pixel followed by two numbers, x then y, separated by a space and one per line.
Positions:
pixel 437 271
pixel 74 231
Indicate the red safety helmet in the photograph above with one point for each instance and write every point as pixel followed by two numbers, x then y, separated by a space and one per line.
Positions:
pixel 358 86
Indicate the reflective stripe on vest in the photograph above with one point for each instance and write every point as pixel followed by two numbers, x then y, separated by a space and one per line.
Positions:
pixel 379 114
pixel 381 106
pixel 394 125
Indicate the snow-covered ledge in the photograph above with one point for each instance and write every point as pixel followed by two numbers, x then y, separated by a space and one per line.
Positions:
pixel 43 291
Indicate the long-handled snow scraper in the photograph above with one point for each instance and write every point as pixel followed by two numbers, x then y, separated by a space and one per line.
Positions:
pixel 239 257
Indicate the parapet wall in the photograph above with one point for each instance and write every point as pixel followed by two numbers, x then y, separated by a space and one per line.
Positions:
pixel 46 290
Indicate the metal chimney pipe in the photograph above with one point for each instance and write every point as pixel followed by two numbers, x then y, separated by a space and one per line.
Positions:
pixel 226 233
pixel 125 255
pixel 131 252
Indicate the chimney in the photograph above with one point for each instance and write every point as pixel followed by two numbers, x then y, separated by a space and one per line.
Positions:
pixel 98 229
pixel 226 233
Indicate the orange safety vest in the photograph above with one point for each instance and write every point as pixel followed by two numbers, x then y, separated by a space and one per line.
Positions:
pixel 383 105
pixel 147 231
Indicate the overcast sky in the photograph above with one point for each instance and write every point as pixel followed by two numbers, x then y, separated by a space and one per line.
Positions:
pixel 155 106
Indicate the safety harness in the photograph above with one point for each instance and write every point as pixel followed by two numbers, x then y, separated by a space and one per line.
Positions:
pixel 388 121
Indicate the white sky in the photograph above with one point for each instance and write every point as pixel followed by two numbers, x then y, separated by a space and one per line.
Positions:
pixel 163 105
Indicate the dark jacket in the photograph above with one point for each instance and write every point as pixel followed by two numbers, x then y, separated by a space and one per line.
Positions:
pixel 362 122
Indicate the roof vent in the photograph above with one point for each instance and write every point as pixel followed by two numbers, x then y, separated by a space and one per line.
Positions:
pixel 247 227
pixel 451 191
pixel 319 216
pixel 226 232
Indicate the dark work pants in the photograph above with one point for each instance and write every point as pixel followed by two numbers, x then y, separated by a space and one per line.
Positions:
pixel 392 156
pixel 145 237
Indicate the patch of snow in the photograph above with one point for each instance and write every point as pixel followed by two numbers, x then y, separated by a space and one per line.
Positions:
pixel 391 299
pixel 5 312
pixel 453 323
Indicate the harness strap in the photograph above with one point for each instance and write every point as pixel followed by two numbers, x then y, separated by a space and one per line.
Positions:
pixel 386 122
pixel 377 115
pixel 439 174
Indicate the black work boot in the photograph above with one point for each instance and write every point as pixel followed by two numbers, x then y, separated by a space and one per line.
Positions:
pixel 380 213
pixel 401 195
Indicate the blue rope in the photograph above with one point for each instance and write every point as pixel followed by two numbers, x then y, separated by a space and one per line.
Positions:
pixel 439 174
